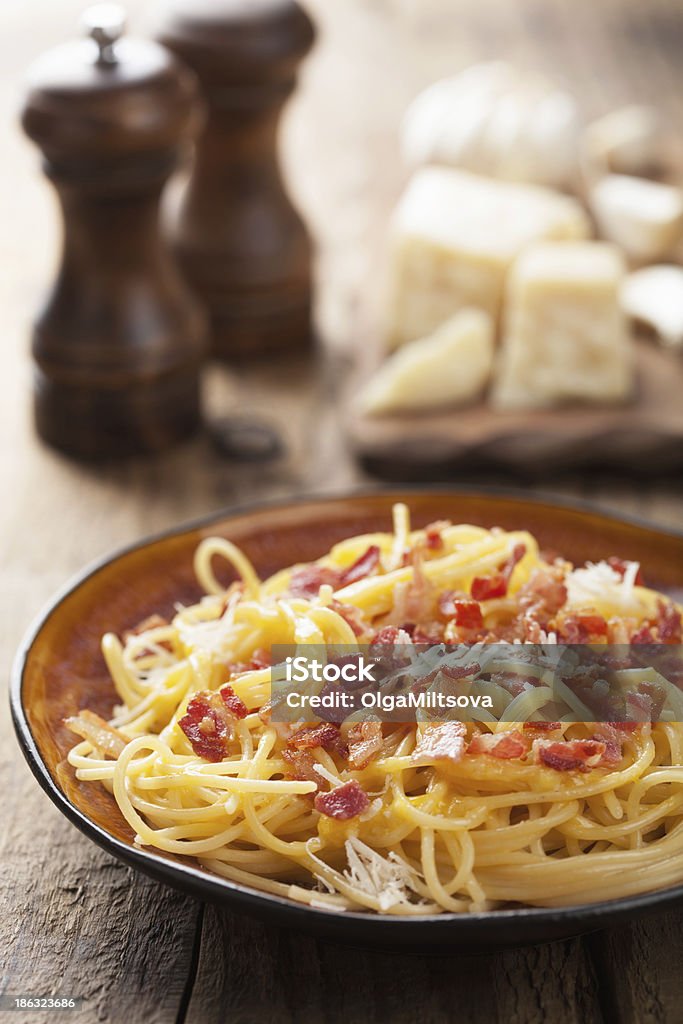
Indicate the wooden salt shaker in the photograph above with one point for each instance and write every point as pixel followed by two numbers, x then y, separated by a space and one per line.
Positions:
pixel 241 244
pixel 118 346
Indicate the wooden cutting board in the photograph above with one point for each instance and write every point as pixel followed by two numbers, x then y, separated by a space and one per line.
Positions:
pixel 643 436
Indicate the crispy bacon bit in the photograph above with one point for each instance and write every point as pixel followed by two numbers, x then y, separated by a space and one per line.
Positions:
pixel 433 538
pixel 350 614
pixel 365 743
pixel 261 658
pixel 233 703
pixel 669 623
pixel 392 646
pixel 206 724
pixel 612 737
pixel 542 596
pixel 485 588
pixel 442 742
pixel 97 732
pixel 620 565
pixel 389 635
pixel 657 696
pixel 506 745
pixel 569 755
pixel 301 766
pixel 362 567
pixel 640 707
pixel 344 802
pixel 308 579
pixel 666 628
pixel 465 612
pixel 542 726
pixel 325 735
pixel 581 628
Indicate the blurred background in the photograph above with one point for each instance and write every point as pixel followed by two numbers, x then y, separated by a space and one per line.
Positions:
pixel 340 154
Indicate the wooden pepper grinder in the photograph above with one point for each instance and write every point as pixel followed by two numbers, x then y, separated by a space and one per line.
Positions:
pixel 118 346
pixel 240 242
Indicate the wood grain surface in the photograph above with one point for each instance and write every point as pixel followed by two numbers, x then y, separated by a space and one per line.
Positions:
pixel 75 922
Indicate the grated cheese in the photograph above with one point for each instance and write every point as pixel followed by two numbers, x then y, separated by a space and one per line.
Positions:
pixel 598 581
pixel 388 879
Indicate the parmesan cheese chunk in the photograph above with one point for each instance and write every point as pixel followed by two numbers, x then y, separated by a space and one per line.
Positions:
pixel 630 140
pixel 449 367
pixel 654 296
pixel 454 238
pixel 644 217
pixel 566 335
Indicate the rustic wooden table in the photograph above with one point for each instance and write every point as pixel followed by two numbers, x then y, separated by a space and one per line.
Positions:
pixel 75 921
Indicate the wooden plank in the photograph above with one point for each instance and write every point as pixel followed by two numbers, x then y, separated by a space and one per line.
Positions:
pixel 250 972
pixel 640 969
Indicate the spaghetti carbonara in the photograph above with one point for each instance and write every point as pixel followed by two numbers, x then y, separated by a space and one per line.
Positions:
pixel 526 805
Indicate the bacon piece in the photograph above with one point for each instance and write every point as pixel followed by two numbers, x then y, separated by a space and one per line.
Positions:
pixel 666 628
pixel 657 696
pixel 620 565
pixel 465 612
pixel 644 635
pixel 640 707
pixel 233 703
pixel 581 628
pixel 261 658
pixel 513 682
pixel 300 766
pixel 542 726
pixel 444 673
pixel 97 732
pixel 506 745
pixel 307 580
pixel 389 635
pixel 612 737
pixel 206 724
pixel 344 802
pixel 542 596
pixel 365 742
pixel 362 567
pixel 569 755
pixel 350 614
pixel 392 647
pixel 433 538
pixel 442 742
pixel 485 588
pixel 325 735
pixel 668 623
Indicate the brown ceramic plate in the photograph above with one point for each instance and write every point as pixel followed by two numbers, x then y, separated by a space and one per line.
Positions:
pixel 59 670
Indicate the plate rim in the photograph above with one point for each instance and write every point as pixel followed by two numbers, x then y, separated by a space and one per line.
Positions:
pixel 202 884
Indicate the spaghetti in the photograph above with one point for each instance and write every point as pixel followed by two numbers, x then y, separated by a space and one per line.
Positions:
pixel 398 818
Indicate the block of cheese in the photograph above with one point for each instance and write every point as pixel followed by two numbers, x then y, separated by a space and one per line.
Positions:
pixel 565 335
pixel 454 237
pixel 449 367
